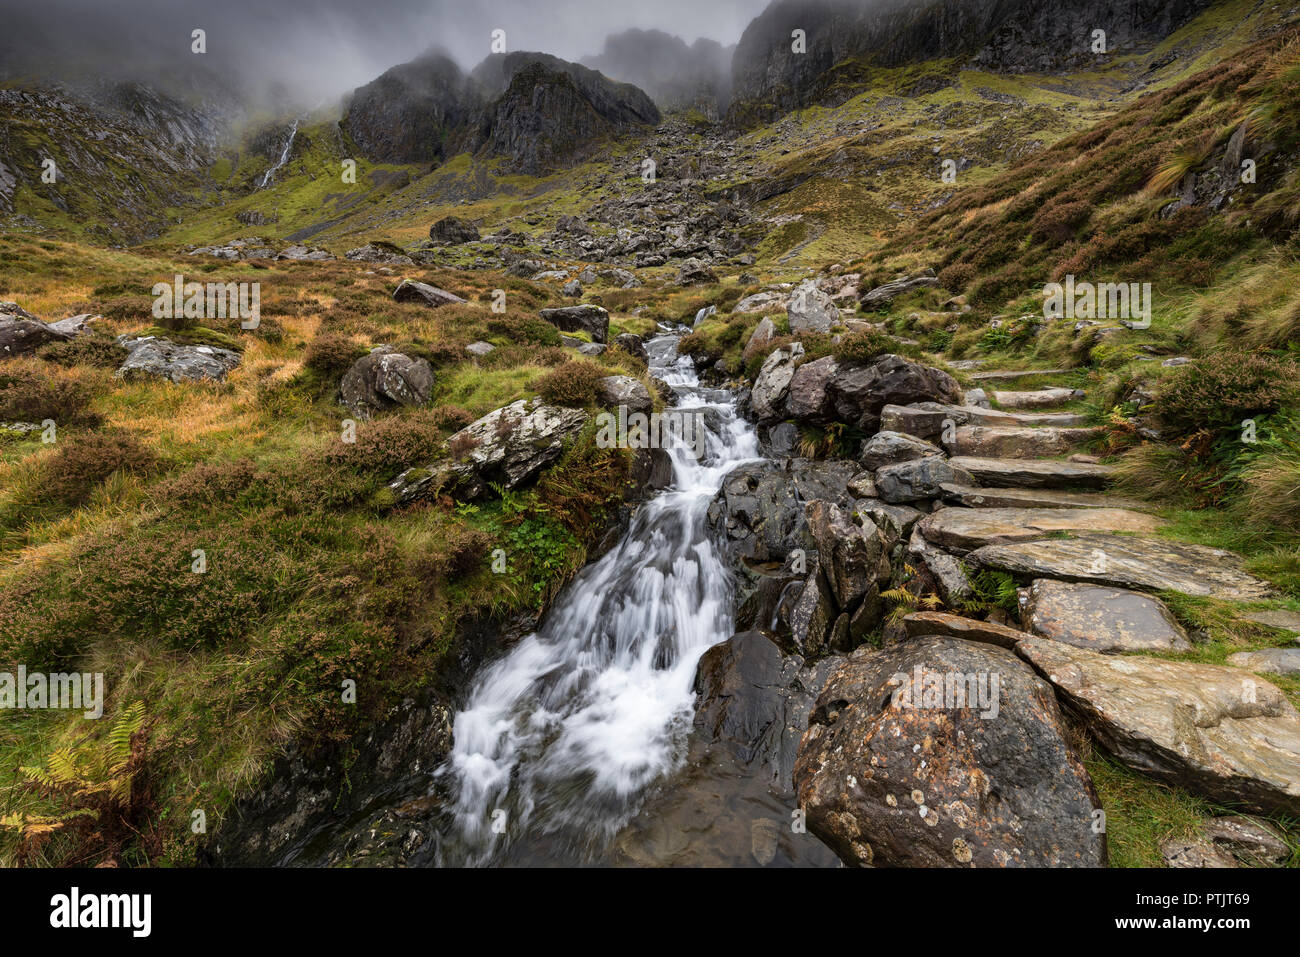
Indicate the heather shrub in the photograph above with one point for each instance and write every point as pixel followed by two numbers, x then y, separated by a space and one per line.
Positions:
pixel 1220 391
pixel 330 354
pixel 572 384
pixel 31 391
pixel 82 462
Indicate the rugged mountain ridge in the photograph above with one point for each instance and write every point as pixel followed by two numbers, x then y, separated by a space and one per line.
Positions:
pixel 535 109
pixel 844 38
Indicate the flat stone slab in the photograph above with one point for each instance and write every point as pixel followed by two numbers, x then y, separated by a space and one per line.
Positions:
pixel 1037 399
pixel 1018 441
pixel 1275 618
pixel 972 528
pixel 922 623
pixel 1034 473
pixel 1008 375
pixel 1224 733
pixel 1101 618
pixel 1125 562
pixel 1273 661
pixel 997 417
pixel 973 497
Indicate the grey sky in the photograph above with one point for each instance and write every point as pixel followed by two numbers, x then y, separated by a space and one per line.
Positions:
pixel 322 48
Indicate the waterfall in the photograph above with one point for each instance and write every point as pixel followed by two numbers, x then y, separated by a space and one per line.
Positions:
pixel 560 738
pixel 284 156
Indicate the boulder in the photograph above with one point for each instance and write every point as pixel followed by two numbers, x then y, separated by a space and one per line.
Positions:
pixel 408 290
pixel 853 555
pixel 767 398
pixel 763 333
pixel 1190 852
pixel 633 345
pixel 1223 733
pixel 20 337
pixel 891 448
pixel 695 272
pixel 450 231
pixel 884 295
pixel 304 254
pixel 151 356
pixel 1127 562
pixel 621 391
pixel 859 391
pixel 807 400
pixel 593 320
pixel 480 349
pixel 939 752
pixel 755 701
pixel 383 380
pixel 1101 619
pixel 379 252
pixel 811 310
pixel 507 447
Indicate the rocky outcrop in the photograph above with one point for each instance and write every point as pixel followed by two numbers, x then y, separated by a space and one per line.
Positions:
pixel 383 380
pixel 20 336
pixel 1020 36
pixel 551 111
pixel 418 112
pixel 939 752
pixel 535 110
pixel 859 391
pixel 408 290
pixel 1223 733
pixel 151 356
pixel 624 392
pixel 450 231
pixel 772 384
pixel 810 310
pixel 507 447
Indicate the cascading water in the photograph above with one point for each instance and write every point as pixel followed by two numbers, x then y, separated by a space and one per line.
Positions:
pixel 560 739
pixel 284 156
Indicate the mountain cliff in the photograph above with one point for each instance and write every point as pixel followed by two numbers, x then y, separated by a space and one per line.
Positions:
pixel 677 75
pixel 536 110
pixel 843 37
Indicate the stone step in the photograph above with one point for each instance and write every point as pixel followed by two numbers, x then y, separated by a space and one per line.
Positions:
pixel 1183 723
pixel 1010 375
pixel 1019 442
pixel 1038 399
pixel 1101 618
pixel 927 420
pixel 1034 473
pixel 971 528
pixel 1035 498
pixel 1127 562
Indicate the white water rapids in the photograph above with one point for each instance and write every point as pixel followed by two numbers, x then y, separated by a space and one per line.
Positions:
pixel 561 737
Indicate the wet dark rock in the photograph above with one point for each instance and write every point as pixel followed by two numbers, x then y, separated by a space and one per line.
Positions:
pixel 807 400
pixel 859 391
pixel 918 479
pixel 633 345
pixel 891 448
pixel 593 320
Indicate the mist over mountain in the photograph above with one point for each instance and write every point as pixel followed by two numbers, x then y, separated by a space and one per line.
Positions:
pixel 677 75
pixel 277 55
